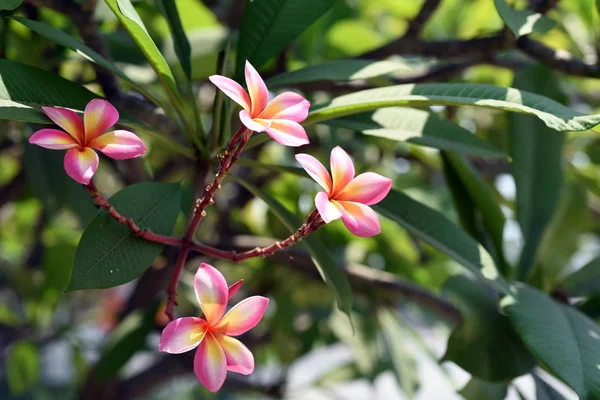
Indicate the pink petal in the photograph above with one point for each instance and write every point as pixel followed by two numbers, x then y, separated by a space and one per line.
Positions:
pixel 232 89
pixel 210 364
pixel 233 289
pixel 99 115
pixel 287 133
pixel 182 335
pixel 68 120
pixel 288 105
pixel 316 170
pixel 81 165
pixel 53 139
pixel 243 316
pixel 255 125
pixel 211 291
pixel 368 188
pixel 259 94
pixel 361 220
pixel 328 210
pixel 239 358
pixel 119 145
pixel 342 170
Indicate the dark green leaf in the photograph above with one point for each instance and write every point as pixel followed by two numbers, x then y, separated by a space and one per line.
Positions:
pixel 485 344
pixel 554 114
pixel 417 127
pixel 22 367
pixel 482 197
pixel 339 70
pixel 585 281
pixel 10 4
pixel 565 341
pixel 329 269
pixel 64 39
pixel 523 22
pixel 405 365
pixel 180 41
pixel 23 89
pixel 268 26
pixel 544 391
pixel 478 389
pixel 108 254
pixel 58 265
pixel 436 230
pixel 536 151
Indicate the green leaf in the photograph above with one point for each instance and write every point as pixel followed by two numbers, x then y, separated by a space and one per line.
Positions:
pixel 23 89
pixel 544 391
pixel 405 365
pixel 268 26
pixel 22 367
pixel 485 344
pixel 130 19
pixel 10 4
pixel 330 270
pixel 48 180
pixel 554 114
pixel 129 338
pixel 108 254
pixel 536 152
pixel 585 281
pixel 482 197
pixel 523 22
pixel 58 263
pixel 168 8
pixel 339 70
pixel 68 41
pixel 478 389
pixel 563 339
pixel 417 127
pixel 440 233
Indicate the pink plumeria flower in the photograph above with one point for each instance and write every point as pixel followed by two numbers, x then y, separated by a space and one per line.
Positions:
pixel 279 118
pixel 345 196
pixel 82 137
pixel 218 352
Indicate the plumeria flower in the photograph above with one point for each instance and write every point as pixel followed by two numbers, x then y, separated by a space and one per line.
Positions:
pixel 83 137
pixel 218 351
pixel 345 196
pixel 279 118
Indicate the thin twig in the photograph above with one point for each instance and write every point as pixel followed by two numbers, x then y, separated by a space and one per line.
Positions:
pixel 418 23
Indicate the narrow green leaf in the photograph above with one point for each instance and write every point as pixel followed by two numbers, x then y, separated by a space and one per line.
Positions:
pixel 268 26
pixel 247 162
pixel 417 127
pixel 563 339
pixel 523 22
pixel 585 281
pixel 180 41
pixel 23 89
pixel 403 360
pixel 10 4
pixel 339 70
pixel 543 391
pixel 483 198
pixel 478 389
pixel 329 269
pixel 108 254
pixel 58 263
pixel 536 152
pixel 554 114
pixel 64 39
pixel 485 344
pixel 437 230
pixel 22 367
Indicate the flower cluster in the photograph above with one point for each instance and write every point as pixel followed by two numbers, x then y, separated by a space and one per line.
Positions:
pixel 344 196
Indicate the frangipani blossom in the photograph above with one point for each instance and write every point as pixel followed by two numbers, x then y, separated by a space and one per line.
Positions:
pixel 217 350
pixel 345 196
pixel 279 118
pixel 83 137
